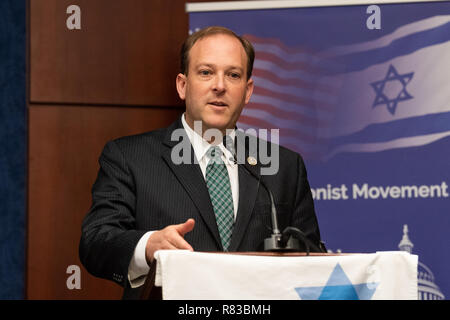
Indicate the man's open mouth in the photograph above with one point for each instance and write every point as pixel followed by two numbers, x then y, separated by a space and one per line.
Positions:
pixel 218 103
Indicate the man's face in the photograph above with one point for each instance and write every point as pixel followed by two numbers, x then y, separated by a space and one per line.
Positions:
pixel 216 88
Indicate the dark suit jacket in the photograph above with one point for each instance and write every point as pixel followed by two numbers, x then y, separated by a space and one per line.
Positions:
pixel 139 188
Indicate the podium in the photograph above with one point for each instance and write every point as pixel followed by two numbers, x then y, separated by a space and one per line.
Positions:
pixel 185 275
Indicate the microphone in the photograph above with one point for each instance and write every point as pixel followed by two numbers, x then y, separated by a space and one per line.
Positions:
pixel 277 242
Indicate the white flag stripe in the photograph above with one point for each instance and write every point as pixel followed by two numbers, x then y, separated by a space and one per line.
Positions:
pixel 305 128
pixel 401 32
pixel 304 148
pixel 300 143
pixel 392 144
pixel 309 111
pixel 295 91
pixel 274 112
pixel 290 74
pixel 290 57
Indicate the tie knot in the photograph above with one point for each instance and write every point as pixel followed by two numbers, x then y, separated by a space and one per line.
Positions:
pixel 214 154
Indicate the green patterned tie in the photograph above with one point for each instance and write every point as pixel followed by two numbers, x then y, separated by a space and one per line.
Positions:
pixel 219 189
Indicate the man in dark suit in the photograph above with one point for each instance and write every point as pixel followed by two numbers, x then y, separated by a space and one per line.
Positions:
pixel 146 199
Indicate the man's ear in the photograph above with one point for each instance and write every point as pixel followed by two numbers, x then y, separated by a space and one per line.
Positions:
pixel 249 91
pixel 181 82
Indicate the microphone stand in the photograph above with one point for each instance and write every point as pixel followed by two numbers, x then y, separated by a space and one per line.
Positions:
pixel 288 241
pixel 277 242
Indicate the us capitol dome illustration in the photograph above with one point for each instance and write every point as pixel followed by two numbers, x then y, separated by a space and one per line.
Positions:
pixel 428 290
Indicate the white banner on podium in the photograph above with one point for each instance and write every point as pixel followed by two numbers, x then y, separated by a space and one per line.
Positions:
pixel 186 275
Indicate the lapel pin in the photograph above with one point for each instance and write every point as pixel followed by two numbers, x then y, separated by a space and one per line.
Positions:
pixel 251 161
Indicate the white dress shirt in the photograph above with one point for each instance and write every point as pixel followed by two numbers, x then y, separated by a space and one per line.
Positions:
pixel 138 268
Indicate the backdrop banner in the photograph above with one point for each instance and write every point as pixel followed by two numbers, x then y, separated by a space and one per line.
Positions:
pixel 362 93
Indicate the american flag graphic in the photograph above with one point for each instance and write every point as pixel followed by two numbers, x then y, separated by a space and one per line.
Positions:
pixel 290 95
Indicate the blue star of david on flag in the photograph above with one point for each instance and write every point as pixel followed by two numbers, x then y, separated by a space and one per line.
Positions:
pixel 338 287
pixel 393 78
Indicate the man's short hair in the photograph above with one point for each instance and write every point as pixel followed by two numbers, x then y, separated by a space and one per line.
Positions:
pixel 209 31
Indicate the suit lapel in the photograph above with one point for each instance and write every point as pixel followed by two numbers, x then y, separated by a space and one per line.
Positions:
pixel 191 178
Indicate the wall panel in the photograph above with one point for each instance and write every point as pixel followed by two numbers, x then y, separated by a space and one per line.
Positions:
pixel 126 52
pixel 63 164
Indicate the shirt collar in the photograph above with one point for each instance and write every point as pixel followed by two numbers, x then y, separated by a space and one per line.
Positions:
pixel 201 146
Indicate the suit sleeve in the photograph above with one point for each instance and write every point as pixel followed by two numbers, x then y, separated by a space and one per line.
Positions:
pixel 109 235
pixel 304 216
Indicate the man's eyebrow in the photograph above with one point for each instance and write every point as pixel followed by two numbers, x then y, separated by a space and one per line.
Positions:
pixel 199 65
pixel 209 65
pixel 235 67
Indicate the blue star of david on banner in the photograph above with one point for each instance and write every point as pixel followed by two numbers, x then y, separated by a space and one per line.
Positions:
pixel 338 287
pixel 379 87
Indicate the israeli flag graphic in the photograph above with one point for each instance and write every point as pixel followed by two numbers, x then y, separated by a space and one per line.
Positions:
pixel 394 91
